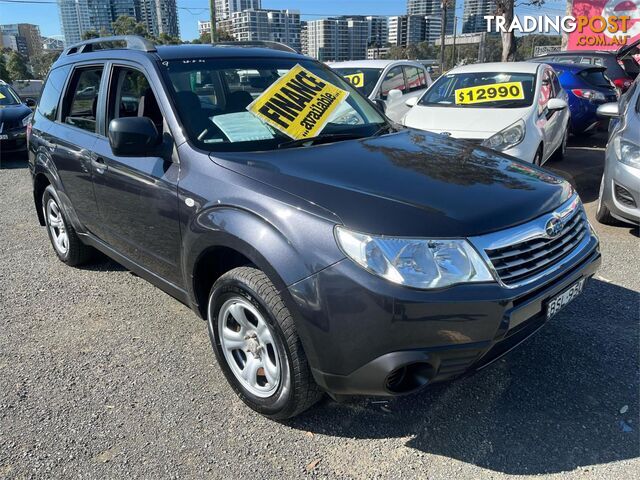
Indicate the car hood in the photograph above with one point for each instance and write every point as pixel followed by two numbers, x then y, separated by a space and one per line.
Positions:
pixel 463 122
pixel 408 183
pixel 12 114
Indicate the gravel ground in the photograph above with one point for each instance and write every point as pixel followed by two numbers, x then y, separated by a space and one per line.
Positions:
pixel 104 376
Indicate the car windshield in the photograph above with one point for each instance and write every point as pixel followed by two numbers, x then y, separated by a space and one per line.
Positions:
pixel 486 88
pixel 8 96
pixel 364 79
pixel 212 96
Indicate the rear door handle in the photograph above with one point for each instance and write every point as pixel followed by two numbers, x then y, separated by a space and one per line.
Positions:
pixel 99 164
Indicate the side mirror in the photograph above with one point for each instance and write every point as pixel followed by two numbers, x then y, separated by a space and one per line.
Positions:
pixel 411 102
pixel 30 102
pixel 394 94
pixel 557 104
pixel 134 137
pixel 609 110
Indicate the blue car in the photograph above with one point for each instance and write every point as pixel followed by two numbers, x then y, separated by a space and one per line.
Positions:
pixel 588 87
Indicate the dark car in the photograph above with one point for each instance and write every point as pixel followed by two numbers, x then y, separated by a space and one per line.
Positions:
pixel 587 87
pixel 622 67
pixel 14 117
pixel 362 260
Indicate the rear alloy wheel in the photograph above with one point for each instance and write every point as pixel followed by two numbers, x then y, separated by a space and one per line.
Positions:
pixel 254 338
pixel 64 239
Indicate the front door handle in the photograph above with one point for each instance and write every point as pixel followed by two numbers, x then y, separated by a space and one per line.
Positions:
pixel 99 164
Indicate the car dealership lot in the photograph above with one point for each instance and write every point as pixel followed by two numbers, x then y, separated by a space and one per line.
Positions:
pixel 102 374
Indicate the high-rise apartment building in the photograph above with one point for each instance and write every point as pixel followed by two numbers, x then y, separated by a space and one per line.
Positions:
pixel 377 30
pixel 268 25
pixel 79 16
pixel 27 38
pixel 473 15
pixel 406 29
pixel 226 8
pixel 338 39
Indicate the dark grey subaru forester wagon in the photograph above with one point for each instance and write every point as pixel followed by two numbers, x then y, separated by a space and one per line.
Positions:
pixel 365 259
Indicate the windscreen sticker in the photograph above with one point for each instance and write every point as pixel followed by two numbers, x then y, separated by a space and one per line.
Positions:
pixel 494 92
pixel 299 104
pixel 2 96
pixel 355 79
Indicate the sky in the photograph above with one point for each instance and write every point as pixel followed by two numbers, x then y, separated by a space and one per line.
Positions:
pixel 190 11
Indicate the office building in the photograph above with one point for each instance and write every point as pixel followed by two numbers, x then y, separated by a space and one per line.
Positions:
pixel 473 15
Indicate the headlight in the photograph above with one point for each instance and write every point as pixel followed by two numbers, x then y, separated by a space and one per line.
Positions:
pixel 415 262
pixel 507 138
pixel 627 152
pixel 26 120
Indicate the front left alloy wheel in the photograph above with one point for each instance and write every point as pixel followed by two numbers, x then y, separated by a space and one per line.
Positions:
pixel 257 346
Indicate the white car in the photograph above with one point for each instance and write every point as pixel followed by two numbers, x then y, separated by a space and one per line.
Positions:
pixel 516 108
pixel 390 83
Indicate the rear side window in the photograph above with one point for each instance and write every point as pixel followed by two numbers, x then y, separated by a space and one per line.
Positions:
pixel 393 80
pixel 595 77
pixel 415 81
pixel 81 101
pixel 50 98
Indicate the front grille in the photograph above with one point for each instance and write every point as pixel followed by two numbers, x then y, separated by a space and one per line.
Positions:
pixel 517 262
pixel 8 125
pixel 624 196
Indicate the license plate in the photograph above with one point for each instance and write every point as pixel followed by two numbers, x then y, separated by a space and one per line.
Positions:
pixel 4 137
pixel 558 302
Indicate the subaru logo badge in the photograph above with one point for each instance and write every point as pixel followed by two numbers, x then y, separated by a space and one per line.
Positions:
pixel 553 227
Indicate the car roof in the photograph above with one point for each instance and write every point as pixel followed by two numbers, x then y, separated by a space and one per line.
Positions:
pixel 575 67
pixel 179 52
pixel 506 67
pixel 372 63
pixel 577 53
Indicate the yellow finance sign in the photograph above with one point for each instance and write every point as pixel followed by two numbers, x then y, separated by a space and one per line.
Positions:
pixel 299 104
pixel 489 93
pixel 355 79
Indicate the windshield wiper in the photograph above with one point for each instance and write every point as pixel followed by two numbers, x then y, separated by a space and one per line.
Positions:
pixel 322 138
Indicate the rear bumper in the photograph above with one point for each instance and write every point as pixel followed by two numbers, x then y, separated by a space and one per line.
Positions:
pixel 365 336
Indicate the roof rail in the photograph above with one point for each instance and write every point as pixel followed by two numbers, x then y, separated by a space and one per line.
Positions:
pixel 132 42
pixel 257 43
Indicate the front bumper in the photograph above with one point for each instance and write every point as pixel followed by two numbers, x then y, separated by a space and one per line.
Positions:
pixel 13 141
pixel 366 336
pixel 620 175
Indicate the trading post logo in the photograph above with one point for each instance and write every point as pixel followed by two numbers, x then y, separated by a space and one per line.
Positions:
pixel 594 23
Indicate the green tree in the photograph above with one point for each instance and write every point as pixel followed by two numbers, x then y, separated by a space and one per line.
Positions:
pixel 166 39
pixel 506 9
pixel 89 34
pixel 17 67
pixel 4 73
pixel 125 25
pixel 42 62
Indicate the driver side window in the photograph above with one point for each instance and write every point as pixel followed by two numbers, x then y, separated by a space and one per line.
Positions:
pixel 130 95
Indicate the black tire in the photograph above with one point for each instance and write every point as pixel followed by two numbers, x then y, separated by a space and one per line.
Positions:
pixel 297 390
pixel 559 154
pixel 77 253
pixel 603 214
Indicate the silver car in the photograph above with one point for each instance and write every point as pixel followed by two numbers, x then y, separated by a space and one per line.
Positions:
pixel 620 185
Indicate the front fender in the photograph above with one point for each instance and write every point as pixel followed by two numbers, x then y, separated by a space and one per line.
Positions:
pixel 290 249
